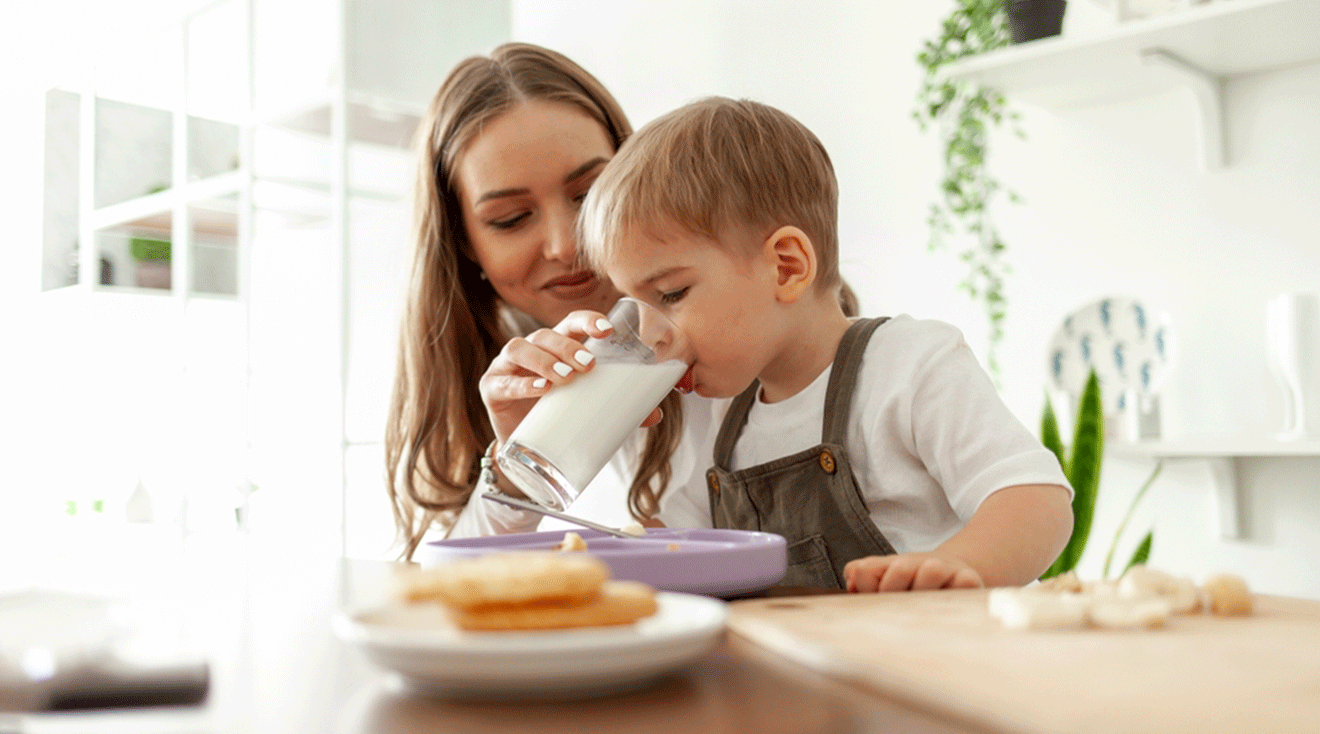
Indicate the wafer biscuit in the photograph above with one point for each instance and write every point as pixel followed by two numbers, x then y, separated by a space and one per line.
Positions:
pixel 509 578
pixel 619 602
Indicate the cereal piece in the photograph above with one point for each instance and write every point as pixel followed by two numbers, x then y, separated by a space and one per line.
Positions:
pixel 1228 594
pixel 1130 613
pixel 619 602
pixel 1142 582
pixel 1033 609
pixel 509 578
pixel 572 542
pixel 634 529
pixel 672 547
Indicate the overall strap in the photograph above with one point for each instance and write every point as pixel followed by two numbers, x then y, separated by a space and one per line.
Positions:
pixel 733 424
pixel 843 378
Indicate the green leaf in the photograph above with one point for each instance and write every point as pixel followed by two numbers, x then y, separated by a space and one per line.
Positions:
pixel 1049 435
pixel 1142 553
pixel 1084 466
pixel 1113 546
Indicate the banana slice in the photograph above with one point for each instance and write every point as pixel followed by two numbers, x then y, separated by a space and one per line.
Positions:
pixel 1130 613
pixel 1143 582
pixel 1031 609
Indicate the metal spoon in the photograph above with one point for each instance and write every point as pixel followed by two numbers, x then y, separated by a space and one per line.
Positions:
pixel 533 507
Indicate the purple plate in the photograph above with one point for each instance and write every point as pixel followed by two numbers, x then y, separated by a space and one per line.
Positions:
pixel 706 561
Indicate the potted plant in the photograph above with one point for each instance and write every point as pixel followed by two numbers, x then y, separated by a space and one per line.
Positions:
pixel 964 114
pixel 1081 463
pixel 1032 19
pixel 153 261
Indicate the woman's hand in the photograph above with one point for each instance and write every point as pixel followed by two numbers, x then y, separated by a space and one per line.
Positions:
pixel 529 366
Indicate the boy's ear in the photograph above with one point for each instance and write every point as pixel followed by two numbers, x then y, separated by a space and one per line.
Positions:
pixel 795 262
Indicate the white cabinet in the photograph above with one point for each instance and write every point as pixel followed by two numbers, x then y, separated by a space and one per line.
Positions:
pixel 268 142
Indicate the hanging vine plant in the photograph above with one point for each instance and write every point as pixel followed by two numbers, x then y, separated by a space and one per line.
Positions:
pixel 964 113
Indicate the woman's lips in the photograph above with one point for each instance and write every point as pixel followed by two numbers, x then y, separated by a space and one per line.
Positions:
pixel 573 285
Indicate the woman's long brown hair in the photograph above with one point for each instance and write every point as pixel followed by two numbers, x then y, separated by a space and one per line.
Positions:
pixel 453 321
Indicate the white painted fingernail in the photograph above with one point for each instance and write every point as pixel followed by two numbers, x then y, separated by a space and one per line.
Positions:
pixel 584 357
pixel 540 382
pixel 563 369
pixel 603 324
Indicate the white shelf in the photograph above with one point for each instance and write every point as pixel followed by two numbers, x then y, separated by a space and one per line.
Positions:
pixel 1225 38
pixel 1197 48
pixel 1222 456
pixel 1245 447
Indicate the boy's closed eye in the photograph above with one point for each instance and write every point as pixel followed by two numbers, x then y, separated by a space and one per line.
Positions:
pixel 674 296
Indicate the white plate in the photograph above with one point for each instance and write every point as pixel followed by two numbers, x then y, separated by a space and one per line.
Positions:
pixel 431 656
pixel 1129 344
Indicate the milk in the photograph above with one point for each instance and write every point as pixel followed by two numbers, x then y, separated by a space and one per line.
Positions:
pixel 578 426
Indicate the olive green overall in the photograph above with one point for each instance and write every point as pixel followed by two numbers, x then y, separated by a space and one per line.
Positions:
pixel 811 497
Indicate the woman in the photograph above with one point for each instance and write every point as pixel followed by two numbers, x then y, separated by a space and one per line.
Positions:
pixel 510 145
pixel 508 149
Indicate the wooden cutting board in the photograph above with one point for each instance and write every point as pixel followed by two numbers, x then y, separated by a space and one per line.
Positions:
pixel 1200 673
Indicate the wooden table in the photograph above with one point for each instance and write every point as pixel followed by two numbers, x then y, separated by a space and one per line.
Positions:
pixel 277 667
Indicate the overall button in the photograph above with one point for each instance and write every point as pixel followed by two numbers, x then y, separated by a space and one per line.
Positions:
pixel 713 480
pixel 827 461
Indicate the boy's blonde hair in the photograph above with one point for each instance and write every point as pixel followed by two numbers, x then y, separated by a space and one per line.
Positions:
pixel 711 165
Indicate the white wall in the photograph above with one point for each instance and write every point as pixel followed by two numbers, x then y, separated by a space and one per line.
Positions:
pixel 1115 204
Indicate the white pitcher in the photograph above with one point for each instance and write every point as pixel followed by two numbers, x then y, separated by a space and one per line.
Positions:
pixel 1293 337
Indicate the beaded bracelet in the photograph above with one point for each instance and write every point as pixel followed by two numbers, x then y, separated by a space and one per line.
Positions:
pixel 486 478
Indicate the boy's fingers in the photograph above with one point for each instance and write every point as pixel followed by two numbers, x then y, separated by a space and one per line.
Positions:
pixel 863 574
pixel 898 577
pixel 966 579
pixel 933 574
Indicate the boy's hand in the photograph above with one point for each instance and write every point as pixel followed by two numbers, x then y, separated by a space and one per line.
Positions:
pixel 910 572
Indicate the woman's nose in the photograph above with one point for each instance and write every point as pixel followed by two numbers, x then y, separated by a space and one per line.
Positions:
pixel 561 237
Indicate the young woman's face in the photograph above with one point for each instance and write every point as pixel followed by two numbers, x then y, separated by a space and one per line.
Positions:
pixel 520 184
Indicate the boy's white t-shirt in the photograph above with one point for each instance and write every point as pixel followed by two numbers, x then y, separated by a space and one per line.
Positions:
pixel 928 437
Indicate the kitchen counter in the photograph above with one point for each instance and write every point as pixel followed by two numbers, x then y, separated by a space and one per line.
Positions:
pixel 276 666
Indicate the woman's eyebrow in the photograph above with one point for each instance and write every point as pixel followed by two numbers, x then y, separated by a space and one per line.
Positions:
pixel 584 169
pixel 500 193
pixel 572 176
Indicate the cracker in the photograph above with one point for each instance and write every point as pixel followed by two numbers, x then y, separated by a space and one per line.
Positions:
pixel 509 578
pixel 619 602
pixel 571 542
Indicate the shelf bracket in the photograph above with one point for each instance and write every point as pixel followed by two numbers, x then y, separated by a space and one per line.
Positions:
pixel 1208 89
pixel 1227 498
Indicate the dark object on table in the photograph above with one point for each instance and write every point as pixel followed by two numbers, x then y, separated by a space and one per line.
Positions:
pixel 110 686
pixel 1032 19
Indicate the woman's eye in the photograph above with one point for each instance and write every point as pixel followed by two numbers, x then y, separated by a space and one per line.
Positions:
pixel 673 296
pixel 508 222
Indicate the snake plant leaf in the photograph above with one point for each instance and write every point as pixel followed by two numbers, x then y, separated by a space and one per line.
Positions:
pixel 1142 553
pixel 1084 466
pixel 1049 434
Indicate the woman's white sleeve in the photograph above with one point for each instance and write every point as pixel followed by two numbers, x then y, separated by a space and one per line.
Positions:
pixel 484 517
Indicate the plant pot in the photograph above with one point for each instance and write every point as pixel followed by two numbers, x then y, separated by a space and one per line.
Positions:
pixel 1032 19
